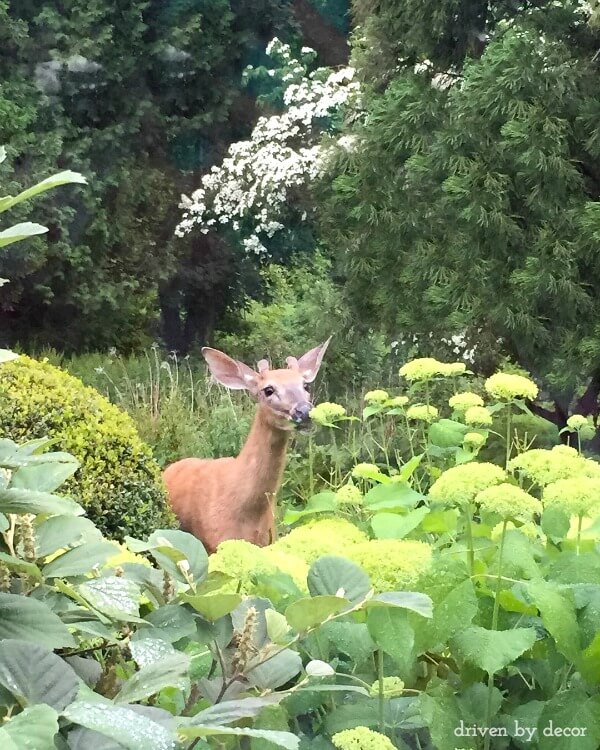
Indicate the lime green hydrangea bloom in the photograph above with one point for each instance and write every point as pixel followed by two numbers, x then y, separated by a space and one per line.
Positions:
pixel 546 466
pixel 243 561
pixel 361 738
pixel 464 401
pixel 474 439
pixel 505 387
pixel 392 687
pixel 460 484
pixel 398 401
pixel 578 496
pixel 530 530
pixel 583 425
pixel 452 369
pixel 124 555
pixel 364 471
pixel 424 368
pixel 348 494
pixel 327 536
pixel 392 564
pixel 422 413
pixel 478 415
pixel 327 412
pixel 376 397
pixel 509 502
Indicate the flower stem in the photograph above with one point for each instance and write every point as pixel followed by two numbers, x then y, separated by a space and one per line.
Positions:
pixel 579 522
pixel 508 435
pixel 469 532
pixel 488 712
pixel 381 693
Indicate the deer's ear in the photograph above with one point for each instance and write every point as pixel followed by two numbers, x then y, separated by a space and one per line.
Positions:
pixel 309 363
pixel 229 372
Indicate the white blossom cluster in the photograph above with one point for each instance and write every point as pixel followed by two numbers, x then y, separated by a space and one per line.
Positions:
pixel 251 189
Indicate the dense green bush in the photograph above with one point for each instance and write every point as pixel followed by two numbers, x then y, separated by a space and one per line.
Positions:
pixel 119 482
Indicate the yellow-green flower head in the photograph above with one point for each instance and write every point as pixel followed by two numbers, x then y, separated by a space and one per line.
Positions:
pixel 348 494
pixel 464 401
pixel 361 738
pixel 392 687
pixel 364 471
pixel 530 530
pixel 424 368
pixel 576 422
pixel 546 466
pixel 392 564
pixel 293 565
pixel 474 439
pixel 509 502
pixel 460 484
pixel 376 397
pixel 124 555
pixel 398 401
pixel 579 496
pixel 327 536
pixel 327 412
pixel 478 415
pixel 422 413
pixel 505 387
pixel 452 369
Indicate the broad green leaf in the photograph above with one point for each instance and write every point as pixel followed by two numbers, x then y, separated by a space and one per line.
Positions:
pixel 21 566
pixel 271 673
pixel 169 623
pixel 212 606
pixel 392 632
pixel 60 178
pixel 395 526
pixel 555 523
pixel 149 650
pixel 24 618
pixel 177 552
pixel 115 596
pixel 170 671
pixel 320 503
pixel 442 715
pixel 79 561
pixel 45 475
pixel 331 575
pixel 510 602
pixel 311 611
pixel 409 468
pixel 557 610
pixel 351 639
pixel 492 650
pixel 419 603
pixel 61 532
pixel 452 611
pixel 20 232
pixel 32 729
pixel 440 521
pixel 233 710
pixel 569 711
pixel 446 433
pixel 15 500
pixel 589 662
pixel 394 495
pixel 33 674
pixel 278 628
pixel 121 723
pixel 280 739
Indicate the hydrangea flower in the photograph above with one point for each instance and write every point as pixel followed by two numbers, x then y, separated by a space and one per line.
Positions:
pixel 376 397
pixel 509 501
pixel 474 439
pixel 361 738
pixel 452 369
pixel 478 415
pixel 505 387
pixel 348 494
pixel 460 484
pixel 424 368
pixel 578 496
pixel 392 564
pixel 365 471
pixel 546 466
pixel 582 425
pixel 392 687
pixel 463 401
pixel 398 401
pixel 422 413
pixel 327 536
pixel 327 413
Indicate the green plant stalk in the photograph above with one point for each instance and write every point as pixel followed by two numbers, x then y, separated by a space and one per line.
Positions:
pixel 469 532
pixel 381 697
pixel 488 710
pixel 508 436
pixel 579 523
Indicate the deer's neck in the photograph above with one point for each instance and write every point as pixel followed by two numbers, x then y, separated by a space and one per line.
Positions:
pixel 262 460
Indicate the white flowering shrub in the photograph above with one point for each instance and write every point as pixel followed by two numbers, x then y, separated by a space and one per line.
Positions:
pixel 251 191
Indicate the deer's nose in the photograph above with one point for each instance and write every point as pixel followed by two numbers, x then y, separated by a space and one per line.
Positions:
pixel 301 412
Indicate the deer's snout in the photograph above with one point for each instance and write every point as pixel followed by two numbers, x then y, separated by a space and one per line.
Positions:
pixel 300 413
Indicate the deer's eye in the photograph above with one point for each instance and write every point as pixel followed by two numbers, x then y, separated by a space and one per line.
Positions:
pixel 269 391
pixel 307 387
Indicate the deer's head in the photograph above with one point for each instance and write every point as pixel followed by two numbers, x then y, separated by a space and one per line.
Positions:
pixel 283 393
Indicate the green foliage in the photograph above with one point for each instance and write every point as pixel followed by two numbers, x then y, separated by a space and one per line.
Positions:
pixel 119 483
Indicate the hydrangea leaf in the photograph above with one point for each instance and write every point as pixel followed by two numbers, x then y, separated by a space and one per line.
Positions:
pixel 492 650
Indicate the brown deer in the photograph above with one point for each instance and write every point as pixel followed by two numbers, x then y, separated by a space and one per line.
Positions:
pixel 234 498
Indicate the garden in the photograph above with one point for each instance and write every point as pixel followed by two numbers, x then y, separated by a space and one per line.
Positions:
pixel 421 184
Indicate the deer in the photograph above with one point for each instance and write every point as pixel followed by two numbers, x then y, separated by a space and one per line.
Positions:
pixel 235 497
